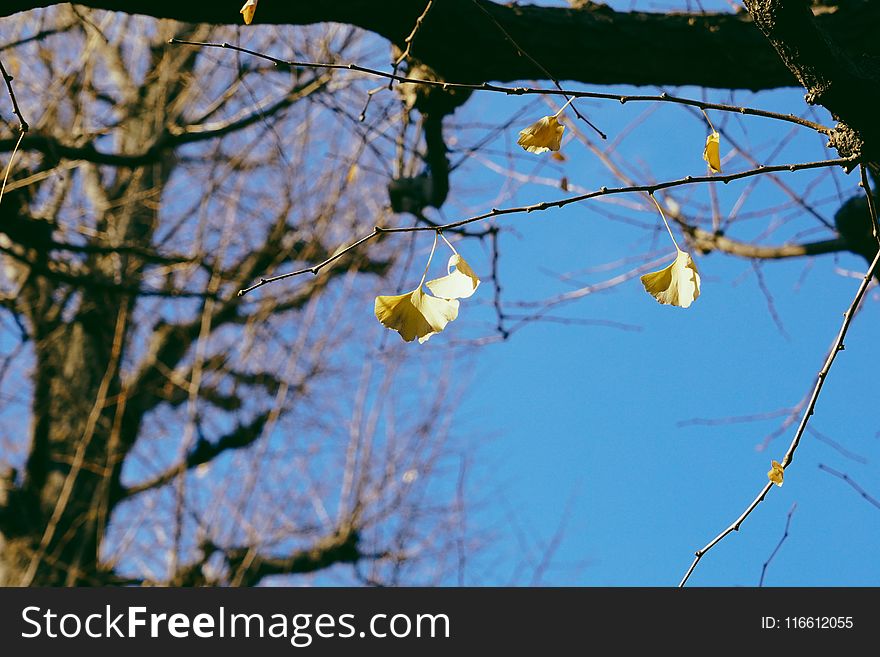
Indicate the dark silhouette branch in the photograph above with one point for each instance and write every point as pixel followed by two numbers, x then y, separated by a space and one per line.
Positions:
pixel 591 43
pixel 203 452
pixel 166 142
pixel 250 567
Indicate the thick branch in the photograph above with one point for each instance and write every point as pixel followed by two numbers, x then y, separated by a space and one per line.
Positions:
pixel 204 451
pixel 250 567
pixel 707 241
pixel 591 44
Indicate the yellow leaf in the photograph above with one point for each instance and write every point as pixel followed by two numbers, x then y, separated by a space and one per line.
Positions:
pixel 458 284
pixel 776 473
pixel 711 153
pixel 542 136
pixel 676 285
pixel 248 11
pixel 415 314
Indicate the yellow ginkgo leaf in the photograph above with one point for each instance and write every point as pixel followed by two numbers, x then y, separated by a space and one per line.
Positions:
pixel 776 473
pixel 542 136
pixel 676 285
pixel 248 11
pixel 415 314
pixel 711 153
pixel 458 284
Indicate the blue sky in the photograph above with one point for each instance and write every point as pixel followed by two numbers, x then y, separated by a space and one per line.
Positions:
pixel 589 418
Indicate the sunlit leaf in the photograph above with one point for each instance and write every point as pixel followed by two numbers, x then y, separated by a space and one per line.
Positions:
pixel 676 285
pixel 542 136
pixel 460 283
pixel 415 314
pixel 712 153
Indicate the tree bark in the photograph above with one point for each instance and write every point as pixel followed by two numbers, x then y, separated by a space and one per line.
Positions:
pixel 846 84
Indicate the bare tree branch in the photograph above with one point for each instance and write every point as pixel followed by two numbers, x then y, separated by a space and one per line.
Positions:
pixel 592 43
pixel 203 452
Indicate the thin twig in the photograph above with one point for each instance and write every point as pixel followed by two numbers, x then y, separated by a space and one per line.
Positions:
pixel 520 51
pixel 520 91
pixel 607 191
pixel 768 297
pixel 778 545
pixel 863 170
pixel 842 475
pixel 545 205
pixel 843 451
pixel 316 268
pixel 496 298
pixel 409 42
pixel 22 124
pixel 808 411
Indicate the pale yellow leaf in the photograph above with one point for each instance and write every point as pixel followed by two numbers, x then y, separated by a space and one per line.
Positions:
pixel 415 314
pixel 712 153
pixel 542 136
pixel 676 285
pixel 458 284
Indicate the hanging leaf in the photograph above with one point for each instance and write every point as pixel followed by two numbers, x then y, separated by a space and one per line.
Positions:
pixel 542 136
pixel 458 284
pixel 415 314
pixel 676 285
pixel 248 11
pixel 711 153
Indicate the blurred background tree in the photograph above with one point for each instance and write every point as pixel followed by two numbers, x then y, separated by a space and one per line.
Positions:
pixel 235 438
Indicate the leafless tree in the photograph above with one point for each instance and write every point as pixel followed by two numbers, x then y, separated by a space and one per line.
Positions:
pixel 180 433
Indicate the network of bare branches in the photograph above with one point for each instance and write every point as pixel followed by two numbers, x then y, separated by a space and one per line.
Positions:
pixel 180 434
